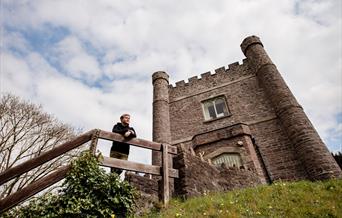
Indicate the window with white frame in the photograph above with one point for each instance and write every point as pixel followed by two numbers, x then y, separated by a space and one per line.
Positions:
pixel 231 159
pixel 215 108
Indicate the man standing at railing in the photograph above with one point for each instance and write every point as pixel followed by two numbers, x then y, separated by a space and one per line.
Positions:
pixel 120 150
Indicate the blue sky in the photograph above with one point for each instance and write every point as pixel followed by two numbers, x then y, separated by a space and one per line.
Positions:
pixel 87 62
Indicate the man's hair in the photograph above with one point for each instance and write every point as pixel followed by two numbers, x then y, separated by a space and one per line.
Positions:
pixel 124 115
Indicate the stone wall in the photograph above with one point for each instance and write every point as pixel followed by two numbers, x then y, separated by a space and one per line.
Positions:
pixel 281 143
pixel 161 123
pixel 277 151
pixel 247 103
pixel 257 96
pixel 148 189
pixel 232 139
pixel 208 80
pixel 144 184
pixel 197 177
pixel 308 147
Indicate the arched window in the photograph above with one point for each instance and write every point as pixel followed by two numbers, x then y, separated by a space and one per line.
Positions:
pixel 231 159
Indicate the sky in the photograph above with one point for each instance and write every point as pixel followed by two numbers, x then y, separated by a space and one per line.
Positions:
pixel 87 62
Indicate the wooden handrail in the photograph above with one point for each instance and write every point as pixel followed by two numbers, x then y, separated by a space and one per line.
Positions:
pixel 136 167
pixel 33 188
pixel 59 174
pixel 135 141
pixel 44 157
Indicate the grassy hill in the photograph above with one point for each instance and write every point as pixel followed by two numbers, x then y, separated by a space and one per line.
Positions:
pixel 281 199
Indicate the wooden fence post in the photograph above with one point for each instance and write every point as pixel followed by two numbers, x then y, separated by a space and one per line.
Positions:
pixel 165 176
pixel 94 140
pixel 165 171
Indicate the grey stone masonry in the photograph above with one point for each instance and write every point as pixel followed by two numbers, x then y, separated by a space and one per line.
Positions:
pixel 278 140
pixel 161 117
pixel 148 192
pixel 143 183
pixel 197 177
pixel 309 148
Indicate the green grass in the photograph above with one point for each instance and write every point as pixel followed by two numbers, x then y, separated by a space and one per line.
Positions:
pixel 282 199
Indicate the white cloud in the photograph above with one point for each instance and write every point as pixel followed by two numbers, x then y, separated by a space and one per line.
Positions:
pixel 184 38
pixel 15 75
pixel 13 41
pixel 323 12
pixel 73 58
pixel 73 102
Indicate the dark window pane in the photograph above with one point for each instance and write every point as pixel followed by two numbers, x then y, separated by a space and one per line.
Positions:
pixel 220 107
pixel 207 104
pixel 211 110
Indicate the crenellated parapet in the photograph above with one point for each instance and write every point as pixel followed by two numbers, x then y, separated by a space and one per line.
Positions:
pixel 211 113
pixel 209 75
pixel 207 80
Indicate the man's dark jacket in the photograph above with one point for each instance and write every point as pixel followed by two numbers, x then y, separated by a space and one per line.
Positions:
pixel 120 146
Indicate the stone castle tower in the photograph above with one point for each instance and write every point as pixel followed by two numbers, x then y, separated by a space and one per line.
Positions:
pixel 244 116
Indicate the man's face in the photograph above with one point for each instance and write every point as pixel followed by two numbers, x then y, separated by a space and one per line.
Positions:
pixel 125 120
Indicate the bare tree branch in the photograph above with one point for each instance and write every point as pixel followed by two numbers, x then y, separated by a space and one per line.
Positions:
pixel 25 132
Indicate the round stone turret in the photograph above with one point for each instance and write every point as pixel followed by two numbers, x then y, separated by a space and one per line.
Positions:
pixel 161 115
pixel 316 158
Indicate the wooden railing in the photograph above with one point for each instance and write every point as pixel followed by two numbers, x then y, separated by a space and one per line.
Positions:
pixel 164 171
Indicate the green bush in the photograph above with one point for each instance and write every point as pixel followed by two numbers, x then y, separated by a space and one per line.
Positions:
pixel 86 192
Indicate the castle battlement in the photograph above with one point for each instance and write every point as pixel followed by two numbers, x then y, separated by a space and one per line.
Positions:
pixel 211 79
pixel 221 71
pixel 281 142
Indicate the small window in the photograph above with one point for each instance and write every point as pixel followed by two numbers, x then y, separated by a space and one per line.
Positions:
pixel 231 159
pixel 215 108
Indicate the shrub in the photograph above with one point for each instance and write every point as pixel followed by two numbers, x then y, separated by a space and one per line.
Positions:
pixel 88 191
